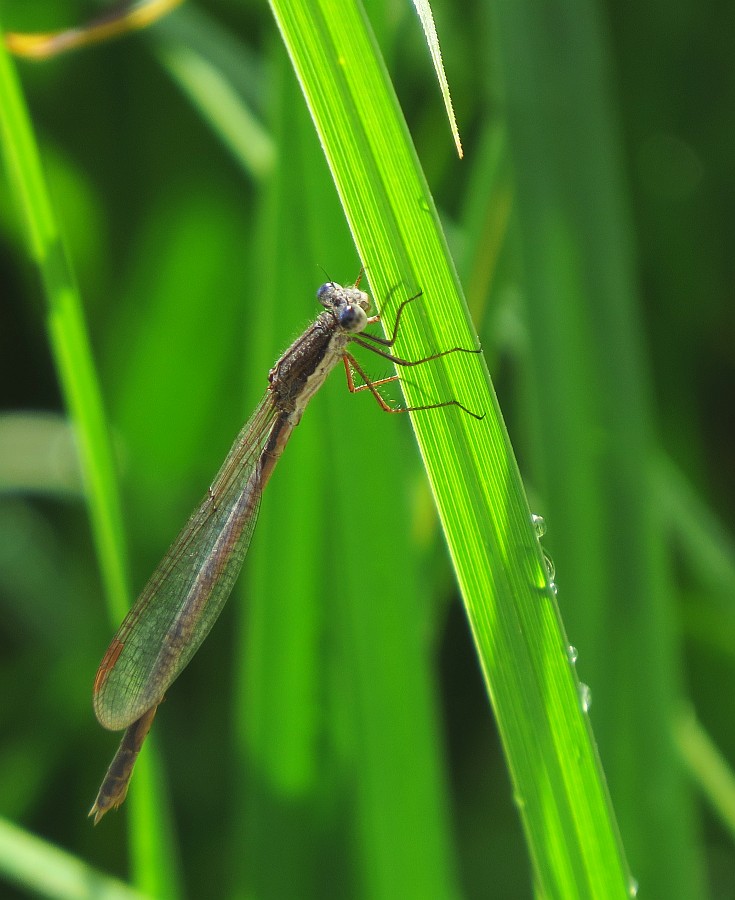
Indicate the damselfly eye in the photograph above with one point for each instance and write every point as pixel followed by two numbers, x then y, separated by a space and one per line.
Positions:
pixel 352 318
pixel 325 293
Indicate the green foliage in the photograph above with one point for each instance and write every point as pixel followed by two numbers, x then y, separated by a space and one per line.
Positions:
pixel 334 729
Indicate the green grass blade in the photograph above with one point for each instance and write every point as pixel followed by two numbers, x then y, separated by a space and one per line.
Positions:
pixel 223 80
pixel 708 767
pixel 557 779
pixel 40 867
pixel 67 332
pixel 78 379
pixel 423 8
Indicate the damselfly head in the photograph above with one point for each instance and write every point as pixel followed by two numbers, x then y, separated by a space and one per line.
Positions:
pixel 348 304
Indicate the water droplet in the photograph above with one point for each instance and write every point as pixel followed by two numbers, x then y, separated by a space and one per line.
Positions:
pixel 550 568
pixel 539 525
pixel 585 696
pixel 632 886
pixel 553 588
pixel 572 654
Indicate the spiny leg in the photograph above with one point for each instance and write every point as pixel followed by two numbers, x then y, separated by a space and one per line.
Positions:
pixel 407 362
pixel 350 361
pixel 389 342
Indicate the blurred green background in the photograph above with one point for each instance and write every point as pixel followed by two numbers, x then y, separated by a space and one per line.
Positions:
pixel 592 225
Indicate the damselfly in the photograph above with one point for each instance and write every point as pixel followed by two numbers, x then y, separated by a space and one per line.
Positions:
pixel 187 591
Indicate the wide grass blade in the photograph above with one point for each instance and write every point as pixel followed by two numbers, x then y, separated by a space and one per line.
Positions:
pixel 559 786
